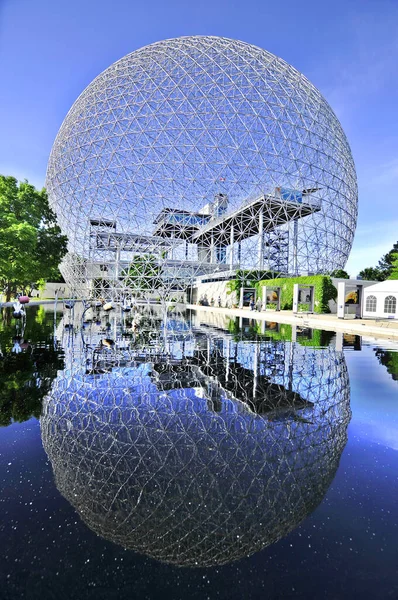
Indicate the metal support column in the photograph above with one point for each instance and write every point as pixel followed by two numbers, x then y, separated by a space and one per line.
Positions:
pixel 339 341
pixel 295 243
pixel 264 298
pixel 117 265
pixel 261 240
pixel 255 369
pixel 295 297
pixel 231 243
pixel 241 298
pixel 340 299
pixel 359 308
pixel 227 359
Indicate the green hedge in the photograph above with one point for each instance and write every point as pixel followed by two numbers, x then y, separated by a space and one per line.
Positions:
pixel 319 338
pixel 323 288
pixel 246 278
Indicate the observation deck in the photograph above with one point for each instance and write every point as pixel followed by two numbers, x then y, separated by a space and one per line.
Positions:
pixel 131 242
pixel 260 215
pixel 180 224
pixel 214 229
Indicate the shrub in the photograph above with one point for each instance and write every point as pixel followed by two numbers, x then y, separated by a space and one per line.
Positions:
pixel 324 290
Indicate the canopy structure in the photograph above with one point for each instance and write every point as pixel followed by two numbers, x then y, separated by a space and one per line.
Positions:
pixel 381 300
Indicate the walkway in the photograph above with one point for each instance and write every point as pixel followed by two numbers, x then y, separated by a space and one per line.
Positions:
pixel 367 327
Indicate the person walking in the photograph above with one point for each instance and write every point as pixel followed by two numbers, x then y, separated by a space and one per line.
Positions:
pixel 251 303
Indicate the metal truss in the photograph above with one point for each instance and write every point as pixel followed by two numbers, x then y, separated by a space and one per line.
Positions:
pixel 196 458
pixel 232 146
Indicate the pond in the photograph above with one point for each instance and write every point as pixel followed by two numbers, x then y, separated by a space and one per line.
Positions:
pixel 162 456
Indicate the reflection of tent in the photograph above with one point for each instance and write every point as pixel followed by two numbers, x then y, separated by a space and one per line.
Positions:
pixel 158 472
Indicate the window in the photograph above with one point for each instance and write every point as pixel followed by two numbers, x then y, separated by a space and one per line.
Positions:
pixel 371 304
pixel 390 304
pixel 221 254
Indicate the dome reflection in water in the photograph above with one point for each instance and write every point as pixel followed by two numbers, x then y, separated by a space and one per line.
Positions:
pixel 197 457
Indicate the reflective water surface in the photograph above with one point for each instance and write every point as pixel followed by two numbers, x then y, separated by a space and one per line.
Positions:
pixel 175 457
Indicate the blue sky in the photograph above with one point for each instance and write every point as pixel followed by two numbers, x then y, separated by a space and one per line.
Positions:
pixel 50 51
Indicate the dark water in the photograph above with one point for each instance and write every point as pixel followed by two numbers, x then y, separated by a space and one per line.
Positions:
pixel 183 459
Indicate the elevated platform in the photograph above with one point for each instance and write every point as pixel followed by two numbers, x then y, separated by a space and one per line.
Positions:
pixel 178 223
pixel 245 221
pixel 131 242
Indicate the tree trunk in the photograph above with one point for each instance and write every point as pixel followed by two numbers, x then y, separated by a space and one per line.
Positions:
pixel 8 292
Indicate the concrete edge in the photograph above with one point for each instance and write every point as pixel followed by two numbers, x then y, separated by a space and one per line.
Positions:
pixel 308 320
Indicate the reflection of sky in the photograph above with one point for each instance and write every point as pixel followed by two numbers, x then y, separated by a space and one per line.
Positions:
pixel 374 399
pixel 345 549
pixel 127 387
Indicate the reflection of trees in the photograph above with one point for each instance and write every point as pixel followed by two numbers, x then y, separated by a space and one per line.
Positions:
pixel 152 467
pixel 28 365
pixel 388 359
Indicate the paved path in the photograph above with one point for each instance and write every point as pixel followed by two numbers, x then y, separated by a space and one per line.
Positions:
pixel 369 327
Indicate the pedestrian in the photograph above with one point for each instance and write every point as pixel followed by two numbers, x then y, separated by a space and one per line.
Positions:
pixel 252 302
pixel 219 301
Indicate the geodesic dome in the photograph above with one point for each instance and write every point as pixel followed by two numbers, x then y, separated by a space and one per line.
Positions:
pixel 175 473
pixel 198 155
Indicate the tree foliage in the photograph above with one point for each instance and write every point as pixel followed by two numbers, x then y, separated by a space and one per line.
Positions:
pixel 143 274
pixel 31 243
pixel 371 274
pixel 247 278
pixel 324 290
pixel 385 267
pixel 394 267
pixel 339 274
pixel 390 360
pixel 387 261
pixel 29 361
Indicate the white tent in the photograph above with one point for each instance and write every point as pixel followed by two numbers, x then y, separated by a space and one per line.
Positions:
pixel 380 301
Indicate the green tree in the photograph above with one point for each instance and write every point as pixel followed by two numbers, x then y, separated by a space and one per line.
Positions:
pixel 31 243
pixel 394 267
pixel 340 274
pixel 386 262
pixel 386 266
pixel 371 274
pixel 144 274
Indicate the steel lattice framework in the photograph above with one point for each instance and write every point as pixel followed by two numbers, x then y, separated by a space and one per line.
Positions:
pixel 161 459
pixel 198 155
